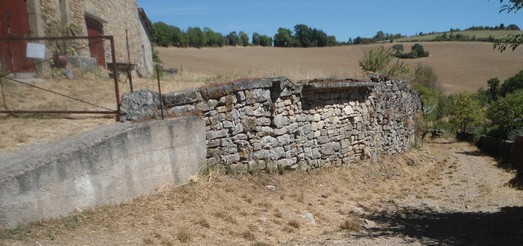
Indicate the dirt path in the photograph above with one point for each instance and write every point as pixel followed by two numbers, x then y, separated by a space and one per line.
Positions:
pixel 443 194
pixel 464 200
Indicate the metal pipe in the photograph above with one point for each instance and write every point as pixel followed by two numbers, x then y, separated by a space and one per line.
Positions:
pixel 129 75
pixel 54 38
pixel 116 88
pixel 3 94
pixel 159 89
pixel 55 112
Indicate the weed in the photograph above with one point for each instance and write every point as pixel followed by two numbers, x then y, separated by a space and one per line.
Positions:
pixel 351 224
pixel 166 242
pixel 294 223
pixel 148 241
pixel 203 222
pixel 248 235
pixel 184 235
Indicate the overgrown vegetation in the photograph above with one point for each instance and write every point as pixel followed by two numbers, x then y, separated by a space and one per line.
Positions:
pixel 378 60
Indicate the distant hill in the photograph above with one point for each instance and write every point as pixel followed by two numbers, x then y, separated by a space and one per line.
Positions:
pixel 468 35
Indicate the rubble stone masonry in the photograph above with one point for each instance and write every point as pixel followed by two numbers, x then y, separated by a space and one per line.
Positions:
pixel 273 123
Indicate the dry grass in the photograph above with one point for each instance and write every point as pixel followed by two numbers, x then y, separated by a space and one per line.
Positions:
pixel 461 66
pixel 239 210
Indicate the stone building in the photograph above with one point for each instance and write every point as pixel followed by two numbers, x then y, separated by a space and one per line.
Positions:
pixel 118 18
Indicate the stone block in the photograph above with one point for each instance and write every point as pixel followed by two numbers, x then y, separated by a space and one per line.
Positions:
pixel 182 97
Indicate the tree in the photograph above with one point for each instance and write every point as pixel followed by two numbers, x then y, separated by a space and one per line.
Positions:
pixel 233 39
pixel 196 37
pixel 180 38
pixel 493 89
pixel 303 35
pixel 380 36
pixel 511 40
pixel 417 50
pixel 265 40
pixel 464 111
pixel 214 39
pixel 512 84
pixel 256 39
pixel 163 34
pixel 398 48
pixel 283 38
pixel 244 39
pixel 507 113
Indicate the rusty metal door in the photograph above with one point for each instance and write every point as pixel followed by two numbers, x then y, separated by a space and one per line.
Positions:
pixel 14 23
pixel 96 46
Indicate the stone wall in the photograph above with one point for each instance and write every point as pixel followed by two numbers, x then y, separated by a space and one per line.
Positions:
pixel 277 124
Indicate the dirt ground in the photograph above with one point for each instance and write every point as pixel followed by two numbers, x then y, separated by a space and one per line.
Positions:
pixel 442 194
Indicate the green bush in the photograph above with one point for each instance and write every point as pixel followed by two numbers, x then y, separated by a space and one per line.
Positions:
pixel 506 114
pixel 465 112
pixel 378 60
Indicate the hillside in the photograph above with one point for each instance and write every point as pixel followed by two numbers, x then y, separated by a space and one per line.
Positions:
pixel 461 66
pixel 472 34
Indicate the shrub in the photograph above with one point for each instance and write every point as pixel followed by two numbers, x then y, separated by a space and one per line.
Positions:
pixel 464 111
pixel 378 60
pixel 431 93
pixel 512 84
pixel 507 114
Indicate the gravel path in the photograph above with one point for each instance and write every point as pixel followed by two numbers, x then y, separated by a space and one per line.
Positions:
pixel 465 199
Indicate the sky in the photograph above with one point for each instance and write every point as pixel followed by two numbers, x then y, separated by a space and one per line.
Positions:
pixel 343 18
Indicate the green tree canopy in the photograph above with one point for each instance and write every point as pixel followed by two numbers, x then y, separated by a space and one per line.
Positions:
pixel 511 40
pixel 493 89
pixel 512 84
pixel 162 34
pixel 464 111
pixel 244 39
pixel 507 113
pixel 283 38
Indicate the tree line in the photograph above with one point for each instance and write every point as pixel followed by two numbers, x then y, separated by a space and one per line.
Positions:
pixel 302 36
pixel 502 26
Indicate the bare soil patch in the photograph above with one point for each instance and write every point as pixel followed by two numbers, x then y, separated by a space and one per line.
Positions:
pixel 442 194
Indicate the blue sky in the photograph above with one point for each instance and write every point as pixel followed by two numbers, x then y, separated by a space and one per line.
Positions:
pixel 343 18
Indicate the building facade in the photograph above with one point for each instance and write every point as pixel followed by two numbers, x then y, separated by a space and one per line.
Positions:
pixel 118 18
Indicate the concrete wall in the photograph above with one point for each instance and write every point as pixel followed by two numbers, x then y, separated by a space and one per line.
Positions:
pixel 278 124
pixel 107 166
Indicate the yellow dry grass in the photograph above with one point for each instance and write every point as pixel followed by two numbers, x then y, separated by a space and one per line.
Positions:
pixel 218 209
pixel 461 66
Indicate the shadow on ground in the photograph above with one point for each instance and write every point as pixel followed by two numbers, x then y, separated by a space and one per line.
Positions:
pixel 432 228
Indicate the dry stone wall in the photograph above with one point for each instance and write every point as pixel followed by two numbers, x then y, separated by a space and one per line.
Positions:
pixel 273 123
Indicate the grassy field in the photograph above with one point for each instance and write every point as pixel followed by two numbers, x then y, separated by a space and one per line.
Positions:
pixel 479 34
pixel 460 66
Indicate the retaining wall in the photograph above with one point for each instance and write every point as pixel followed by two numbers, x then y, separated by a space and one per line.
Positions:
pixel 277 124
pixel 107 166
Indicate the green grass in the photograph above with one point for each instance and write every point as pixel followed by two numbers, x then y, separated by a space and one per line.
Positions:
pixel 480 34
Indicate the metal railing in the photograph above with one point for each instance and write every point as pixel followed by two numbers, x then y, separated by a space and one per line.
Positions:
pixel 105 111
